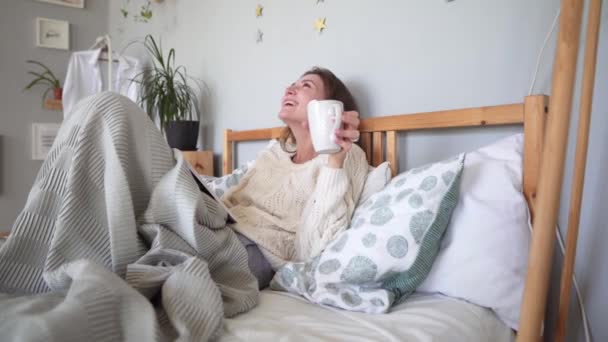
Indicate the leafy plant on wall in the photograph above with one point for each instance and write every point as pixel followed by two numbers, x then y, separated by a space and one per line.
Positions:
pixel 143 14
pixel 45 78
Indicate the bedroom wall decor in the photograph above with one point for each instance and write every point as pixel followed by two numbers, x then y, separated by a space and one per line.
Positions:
pixel 259 34
pixel 142 15
pixel 68 3
pixel 45 77
pixel 320 25
pixel 43 136
pixel 53 34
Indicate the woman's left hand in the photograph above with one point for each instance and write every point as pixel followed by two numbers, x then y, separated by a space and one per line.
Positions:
pixel 345 137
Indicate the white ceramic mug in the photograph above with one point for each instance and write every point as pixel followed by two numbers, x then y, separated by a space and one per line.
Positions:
pixel 321 126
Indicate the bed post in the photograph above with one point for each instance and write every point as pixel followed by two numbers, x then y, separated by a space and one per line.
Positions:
pixel 580 160
pixel 535 109
pixel 227 157
pixel 552 166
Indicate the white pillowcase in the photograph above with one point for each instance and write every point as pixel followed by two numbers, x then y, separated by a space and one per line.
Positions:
pixel 484 254
pixel 376 180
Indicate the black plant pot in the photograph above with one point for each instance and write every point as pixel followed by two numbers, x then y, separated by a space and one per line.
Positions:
pixel 182 134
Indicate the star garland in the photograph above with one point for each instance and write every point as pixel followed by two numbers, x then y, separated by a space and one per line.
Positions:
pixel 320 25
pixel 259 35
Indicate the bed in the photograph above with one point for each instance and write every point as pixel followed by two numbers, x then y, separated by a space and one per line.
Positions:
pixel 283 317
pixel 447 318
pixel 423 316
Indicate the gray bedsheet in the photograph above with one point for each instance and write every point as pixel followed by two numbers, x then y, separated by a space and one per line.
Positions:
pixel 116 242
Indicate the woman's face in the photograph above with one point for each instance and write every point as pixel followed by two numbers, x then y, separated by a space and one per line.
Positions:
pixel 296 98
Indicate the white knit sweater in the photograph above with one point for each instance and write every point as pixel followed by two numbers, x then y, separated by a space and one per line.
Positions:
pixel 292 211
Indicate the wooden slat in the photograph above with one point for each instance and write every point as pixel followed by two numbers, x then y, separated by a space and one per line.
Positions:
pixel 366 145
pixel 4 234
pixel 550 181
pixel 534 127
pixel 255 134
pixel 391 151
pixel 227 157
pixel 377 149
pixel 481 116
pixel 580 164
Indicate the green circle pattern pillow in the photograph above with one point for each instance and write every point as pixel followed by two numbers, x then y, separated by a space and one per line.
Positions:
pixel 389 248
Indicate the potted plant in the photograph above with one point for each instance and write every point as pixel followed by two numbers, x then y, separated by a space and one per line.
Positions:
pixel 165 93
pixel 45 78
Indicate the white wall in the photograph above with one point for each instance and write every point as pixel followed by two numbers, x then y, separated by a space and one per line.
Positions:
pixel 398 56
pixel 19 109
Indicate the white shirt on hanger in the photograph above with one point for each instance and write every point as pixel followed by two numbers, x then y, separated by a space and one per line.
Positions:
pixel 84 78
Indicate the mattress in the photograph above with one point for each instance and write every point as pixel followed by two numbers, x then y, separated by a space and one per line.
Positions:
pixel 284 317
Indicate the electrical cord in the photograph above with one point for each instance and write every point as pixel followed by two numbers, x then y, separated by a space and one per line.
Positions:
pixel 581 305
pixel 540 55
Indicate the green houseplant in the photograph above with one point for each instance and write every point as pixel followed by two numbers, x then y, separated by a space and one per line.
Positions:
pixel 45 77
pixel 166 93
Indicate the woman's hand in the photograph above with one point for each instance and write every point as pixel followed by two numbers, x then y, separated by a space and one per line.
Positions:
pixel 345 136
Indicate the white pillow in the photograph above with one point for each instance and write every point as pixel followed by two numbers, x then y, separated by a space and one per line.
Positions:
pixel 376 180
pixel 484 254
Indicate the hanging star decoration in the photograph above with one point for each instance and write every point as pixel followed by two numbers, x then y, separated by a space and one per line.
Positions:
pixel 259 36
pixel 259 10
pixel 320 25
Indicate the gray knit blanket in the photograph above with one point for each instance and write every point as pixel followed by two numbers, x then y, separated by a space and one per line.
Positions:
pixel 117 243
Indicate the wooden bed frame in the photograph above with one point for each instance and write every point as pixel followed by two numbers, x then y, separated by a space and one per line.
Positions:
pixel 379 134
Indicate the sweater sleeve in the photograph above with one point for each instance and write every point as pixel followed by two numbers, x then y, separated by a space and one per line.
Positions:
pixel 328 210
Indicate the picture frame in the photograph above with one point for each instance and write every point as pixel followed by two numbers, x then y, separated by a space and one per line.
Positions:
pixel 43 136
pixel 52 34
pixel 68 3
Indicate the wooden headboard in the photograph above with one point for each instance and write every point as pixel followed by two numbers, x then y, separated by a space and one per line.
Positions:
pixel 379 134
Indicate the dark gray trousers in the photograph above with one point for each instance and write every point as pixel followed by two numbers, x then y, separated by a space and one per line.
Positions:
pixel 259 266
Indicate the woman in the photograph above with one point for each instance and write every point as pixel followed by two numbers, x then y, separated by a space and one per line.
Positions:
pixel 293 202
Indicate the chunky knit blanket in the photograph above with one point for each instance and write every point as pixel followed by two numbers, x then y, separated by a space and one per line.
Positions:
pixel 117 243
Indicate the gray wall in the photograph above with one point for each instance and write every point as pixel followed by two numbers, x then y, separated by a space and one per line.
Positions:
pixel 19 109
pixel 398 56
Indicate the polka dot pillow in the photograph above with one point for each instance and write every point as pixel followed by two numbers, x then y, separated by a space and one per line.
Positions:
pixel 219 185
pixel 389 248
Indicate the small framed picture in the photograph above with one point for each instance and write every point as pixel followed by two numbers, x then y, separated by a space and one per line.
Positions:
pixel 51 33
pixel 43 136
pixel 69 3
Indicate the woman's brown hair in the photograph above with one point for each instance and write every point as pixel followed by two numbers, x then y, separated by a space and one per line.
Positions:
pixel 334 90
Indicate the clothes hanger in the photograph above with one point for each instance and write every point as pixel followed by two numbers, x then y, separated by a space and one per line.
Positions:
pixel 105 44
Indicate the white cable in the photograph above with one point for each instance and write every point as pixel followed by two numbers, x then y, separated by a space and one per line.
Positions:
pixel 542 49
pixel 581 305
pixel 578 292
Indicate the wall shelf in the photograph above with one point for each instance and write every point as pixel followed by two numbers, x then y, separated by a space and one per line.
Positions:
pixel 52 104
